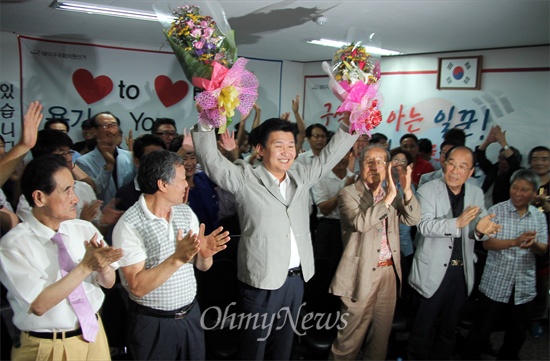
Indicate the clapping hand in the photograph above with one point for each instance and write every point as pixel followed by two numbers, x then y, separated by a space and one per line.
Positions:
pixel 213 243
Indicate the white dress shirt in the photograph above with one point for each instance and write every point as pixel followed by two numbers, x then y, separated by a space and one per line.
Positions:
pixel 29 264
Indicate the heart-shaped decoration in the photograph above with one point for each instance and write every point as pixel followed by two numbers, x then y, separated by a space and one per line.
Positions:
pixel 91 89
pixel 170 93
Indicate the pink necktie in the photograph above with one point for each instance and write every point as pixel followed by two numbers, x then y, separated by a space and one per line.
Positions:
pixel 77 298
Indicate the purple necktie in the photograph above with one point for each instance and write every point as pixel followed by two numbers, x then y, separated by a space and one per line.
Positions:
pixel 77 298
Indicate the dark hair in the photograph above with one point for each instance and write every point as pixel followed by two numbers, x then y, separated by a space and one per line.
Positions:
pixel 253 137
pixel 377 138
pixel 451 142
pixel 162 121
pixel 87 124
pixel 474 159
pixel 458 135
pixel 400 150
pixel 409 135
pixel 309 130
pixel 425 145
pixel 63 121
pixel 175 144
pixel 38 175
pixel 94 118
pixel 274 125
pixel 155 166
pixel 539 148
pixel 49 141
pixel 143 141
pixel 528 175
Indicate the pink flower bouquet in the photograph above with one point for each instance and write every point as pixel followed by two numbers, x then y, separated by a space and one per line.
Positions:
pixel 207 53
pixel 354 79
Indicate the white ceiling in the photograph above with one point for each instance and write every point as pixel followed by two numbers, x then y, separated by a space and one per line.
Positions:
pixel 276 29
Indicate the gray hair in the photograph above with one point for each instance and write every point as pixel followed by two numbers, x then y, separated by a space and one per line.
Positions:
pixel 155 166
pixel 374 146
pixel 527 175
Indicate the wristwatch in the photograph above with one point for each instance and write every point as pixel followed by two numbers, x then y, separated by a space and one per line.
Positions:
pixel 506 147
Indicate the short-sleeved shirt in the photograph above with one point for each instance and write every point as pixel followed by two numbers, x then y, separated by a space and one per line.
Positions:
pixel 29 264
pixel 146 237
pixel 513 269
pixel 327 188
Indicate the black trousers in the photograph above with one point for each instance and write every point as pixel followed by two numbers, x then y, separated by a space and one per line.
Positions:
pixel 517 319
pixel 272 318
pixel 433 332
pixel 156 338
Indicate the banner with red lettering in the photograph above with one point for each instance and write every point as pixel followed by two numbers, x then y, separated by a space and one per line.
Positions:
pixel 77 80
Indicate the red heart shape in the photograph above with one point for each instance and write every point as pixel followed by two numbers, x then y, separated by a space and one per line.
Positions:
pixel 170 93
pixel 91 89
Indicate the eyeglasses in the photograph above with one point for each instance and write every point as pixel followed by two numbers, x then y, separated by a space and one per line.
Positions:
pixel 399 161
pixel 442 153
pixel 108 126
pixel 371 162
pixel 461 168
pixel 65 154
pixel 167 134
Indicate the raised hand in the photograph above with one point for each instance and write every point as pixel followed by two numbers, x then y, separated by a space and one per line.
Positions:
pixel 213 243
pixel 285 116
pixel 97 256
pixel 187 143
pixel 468 214
pixel 227 141
pixel 90 210
pixel 129 141
pixel 110 214
pixel 296 104
pixel 31 121
pixel 487 226
pixel 391 191
pixel 186 247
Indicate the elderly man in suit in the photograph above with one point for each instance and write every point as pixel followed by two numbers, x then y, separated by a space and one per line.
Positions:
pixel 366 276
pixel 442 273
pixel 275 254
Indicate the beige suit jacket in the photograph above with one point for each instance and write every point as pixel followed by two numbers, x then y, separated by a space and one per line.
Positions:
pixel 362 227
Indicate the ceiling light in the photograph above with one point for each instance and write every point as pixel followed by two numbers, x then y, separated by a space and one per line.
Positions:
pixel 339 44
pixel 103 10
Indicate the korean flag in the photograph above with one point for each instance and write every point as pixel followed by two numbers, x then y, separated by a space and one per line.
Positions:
pixel 459 73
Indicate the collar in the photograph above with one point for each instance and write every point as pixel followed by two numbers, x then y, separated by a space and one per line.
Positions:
pixel 511 209
pixel 43 233
pixel 148 214
pixel 285 181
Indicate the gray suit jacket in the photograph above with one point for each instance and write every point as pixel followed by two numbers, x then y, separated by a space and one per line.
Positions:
pixel 265 217
pixel 438 228
pixel 362 227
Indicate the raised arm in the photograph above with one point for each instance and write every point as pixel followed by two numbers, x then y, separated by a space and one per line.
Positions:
pixel 31 122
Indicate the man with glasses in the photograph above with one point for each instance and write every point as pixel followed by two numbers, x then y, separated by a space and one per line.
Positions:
pixel 444 148
pixel 165 129
pixel 366 277
pixel 109 166
pixel 317 137
pixel 442 273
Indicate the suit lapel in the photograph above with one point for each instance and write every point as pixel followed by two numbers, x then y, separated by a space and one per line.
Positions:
pixel 269 183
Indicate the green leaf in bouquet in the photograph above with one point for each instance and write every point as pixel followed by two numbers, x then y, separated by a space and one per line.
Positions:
pixel 189 64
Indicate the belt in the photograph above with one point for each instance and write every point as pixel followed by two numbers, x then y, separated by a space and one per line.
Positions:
pixel 56 335
pixel 296 271
pixel 457 262
pixel 175 314
pixel 388 262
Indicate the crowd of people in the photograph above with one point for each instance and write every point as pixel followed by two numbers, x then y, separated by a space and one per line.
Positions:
pixel 395 223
